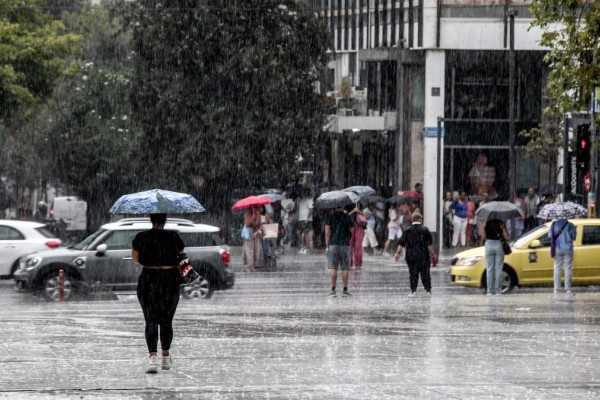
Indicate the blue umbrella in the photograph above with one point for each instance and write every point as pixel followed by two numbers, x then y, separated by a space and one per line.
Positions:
pixel 156 201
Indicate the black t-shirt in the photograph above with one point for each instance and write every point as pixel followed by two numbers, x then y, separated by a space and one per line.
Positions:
pixel 416 240
pixel 493 229
pixel 341 225
pixel 158 247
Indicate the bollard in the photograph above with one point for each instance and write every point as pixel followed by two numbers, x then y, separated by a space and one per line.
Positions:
pixel 61 285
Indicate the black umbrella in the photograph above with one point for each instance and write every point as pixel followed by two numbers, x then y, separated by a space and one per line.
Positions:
pixel 336 199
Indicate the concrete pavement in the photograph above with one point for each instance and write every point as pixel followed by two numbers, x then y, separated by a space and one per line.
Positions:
pixel 279 336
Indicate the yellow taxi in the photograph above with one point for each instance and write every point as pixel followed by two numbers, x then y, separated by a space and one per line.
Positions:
pixel 530 263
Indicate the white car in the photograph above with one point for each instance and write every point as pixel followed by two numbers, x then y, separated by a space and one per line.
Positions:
pixel 20 238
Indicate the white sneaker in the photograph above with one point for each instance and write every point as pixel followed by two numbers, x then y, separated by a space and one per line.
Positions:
pixel 152 366
pixel 412 294
pixel 167 362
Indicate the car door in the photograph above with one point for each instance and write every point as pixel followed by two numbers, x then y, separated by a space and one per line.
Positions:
pixel 586 262
pixel 537 266
pixel 115 266
pixel 11 241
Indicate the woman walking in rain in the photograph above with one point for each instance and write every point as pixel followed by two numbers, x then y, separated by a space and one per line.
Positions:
pixel 494 231
pixel 157 250
pixel 253 246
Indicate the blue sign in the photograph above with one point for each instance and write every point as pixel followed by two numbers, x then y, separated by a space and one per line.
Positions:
pixel 432 132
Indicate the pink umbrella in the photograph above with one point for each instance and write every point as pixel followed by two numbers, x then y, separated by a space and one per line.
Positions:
pixel 251 201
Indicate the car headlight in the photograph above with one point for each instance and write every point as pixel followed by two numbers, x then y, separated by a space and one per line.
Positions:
pixel 33 262
pixel 468 261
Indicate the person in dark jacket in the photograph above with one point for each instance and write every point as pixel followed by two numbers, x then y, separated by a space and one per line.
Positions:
pixel 157 250
pixel 418 243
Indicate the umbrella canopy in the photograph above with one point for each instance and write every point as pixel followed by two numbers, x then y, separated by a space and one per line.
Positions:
pixel 274 196
pixel 156 201
pixel 410 193
pixel 566 209
pixel 373 199
pixel 336 199
pixel 502 210
pixel 400 199
pixel 251 201
pixel 361 191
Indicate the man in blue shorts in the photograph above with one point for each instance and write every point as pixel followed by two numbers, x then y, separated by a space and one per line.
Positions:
pixel 338 230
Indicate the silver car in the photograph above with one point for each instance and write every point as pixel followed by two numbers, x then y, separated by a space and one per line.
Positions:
pixel 102 261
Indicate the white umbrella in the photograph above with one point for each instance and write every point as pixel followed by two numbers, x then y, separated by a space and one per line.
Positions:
pixel 566 209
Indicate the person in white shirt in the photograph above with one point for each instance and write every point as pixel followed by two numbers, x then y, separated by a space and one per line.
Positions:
pixel 305 214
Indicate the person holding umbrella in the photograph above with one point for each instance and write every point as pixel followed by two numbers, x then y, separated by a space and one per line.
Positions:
pixel 562 234
pixel 253 241
pixel 338 231
pixel 160 252
pixel 157 250
pixel 494 231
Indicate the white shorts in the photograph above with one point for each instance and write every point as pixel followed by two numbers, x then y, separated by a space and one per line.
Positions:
pixel 394 233
pixel 369 238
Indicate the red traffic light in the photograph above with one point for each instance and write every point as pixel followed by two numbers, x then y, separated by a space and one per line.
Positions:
pixel 583 143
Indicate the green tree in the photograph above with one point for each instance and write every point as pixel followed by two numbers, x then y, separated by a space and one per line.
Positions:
pixel 224 90
pixel 86 133
pixel 35 51
pixel 571 32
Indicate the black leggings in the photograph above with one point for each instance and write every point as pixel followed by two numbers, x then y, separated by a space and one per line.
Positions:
pixel 158 294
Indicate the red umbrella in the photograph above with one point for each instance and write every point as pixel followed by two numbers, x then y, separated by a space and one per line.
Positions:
pixel 251 201
pixel 411 194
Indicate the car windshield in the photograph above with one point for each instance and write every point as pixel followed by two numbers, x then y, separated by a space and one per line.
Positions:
pixel 88 240
pixel 529 236
pixel 45 232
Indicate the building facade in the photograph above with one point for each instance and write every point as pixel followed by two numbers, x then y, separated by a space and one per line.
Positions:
pixel 419 67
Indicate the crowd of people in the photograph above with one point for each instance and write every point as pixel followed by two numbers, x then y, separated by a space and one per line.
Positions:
pixel 462 228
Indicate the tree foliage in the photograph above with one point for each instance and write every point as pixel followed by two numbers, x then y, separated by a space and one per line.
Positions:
pixel 35 50
pixel 572 35
pixel 224 90
pixel 86 134
pixel 571 32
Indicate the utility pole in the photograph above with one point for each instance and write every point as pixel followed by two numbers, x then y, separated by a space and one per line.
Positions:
pixel 512 173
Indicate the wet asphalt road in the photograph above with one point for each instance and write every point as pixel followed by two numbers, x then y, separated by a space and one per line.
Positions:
pixel 278 335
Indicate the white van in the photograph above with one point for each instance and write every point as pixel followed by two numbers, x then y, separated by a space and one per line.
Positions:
pixel 71 210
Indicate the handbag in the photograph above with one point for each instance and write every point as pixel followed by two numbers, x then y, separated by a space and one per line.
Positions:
pixel 505 246
pixel 188 274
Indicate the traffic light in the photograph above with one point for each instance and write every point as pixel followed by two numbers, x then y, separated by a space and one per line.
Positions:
pixel 583 146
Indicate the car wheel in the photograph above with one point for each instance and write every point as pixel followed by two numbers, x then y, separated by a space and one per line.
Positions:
pixel 507 282
pixel 201 289
pixel 51 287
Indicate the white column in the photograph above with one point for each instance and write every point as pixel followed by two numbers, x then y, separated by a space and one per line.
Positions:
pixel 435 69
pixel 429 23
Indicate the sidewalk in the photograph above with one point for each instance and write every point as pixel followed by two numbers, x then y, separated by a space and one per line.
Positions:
pixel 290 260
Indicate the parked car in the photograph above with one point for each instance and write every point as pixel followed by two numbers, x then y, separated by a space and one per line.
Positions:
pixel 19 238
pixel 102 261
pixel 530 263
